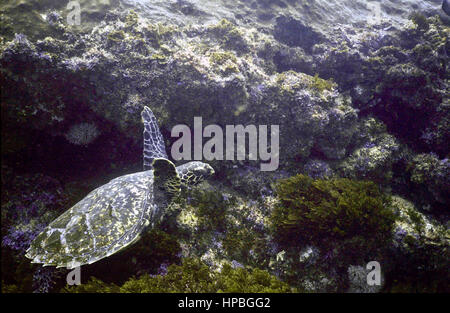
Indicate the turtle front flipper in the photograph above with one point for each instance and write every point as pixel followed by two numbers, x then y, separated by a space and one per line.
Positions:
pixel 153 140
pixel 166 185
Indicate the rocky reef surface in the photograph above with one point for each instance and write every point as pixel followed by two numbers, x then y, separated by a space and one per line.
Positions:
pixel 360 90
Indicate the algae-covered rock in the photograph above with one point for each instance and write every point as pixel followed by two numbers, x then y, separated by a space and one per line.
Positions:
pixel 192 276
pixel 420 251
pixel 429 171
pixel 359 90
pixel 358 280
pixel 375 152
pixel 416 226
pixel 178 73
pixel 314 211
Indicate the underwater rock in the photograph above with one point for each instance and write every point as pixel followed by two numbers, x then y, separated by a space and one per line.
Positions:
pixel 294 33
pixel 446 7
pixel 82 134
pixel 429 171
pixel 374 155
pixel 226 84
pixel 192 276
pixel 320 14
pixel 29 203
pixel 252 182
pixel 414 226
pixel 358 91
pixel 420 251
pixel 357 276
pixel 318 169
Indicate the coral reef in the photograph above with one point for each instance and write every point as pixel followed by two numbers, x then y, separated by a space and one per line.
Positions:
pixel 332 214
pixel 193 276
pixel 82 134
pixel 29 203
pixel 362 103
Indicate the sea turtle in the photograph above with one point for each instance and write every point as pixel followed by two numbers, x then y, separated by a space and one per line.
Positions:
pixel 114 215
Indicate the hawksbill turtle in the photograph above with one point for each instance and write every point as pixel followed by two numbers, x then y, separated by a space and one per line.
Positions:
pixel 112 217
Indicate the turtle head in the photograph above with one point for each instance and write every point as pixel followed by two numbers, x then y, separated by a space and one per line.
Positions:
pixel 194 172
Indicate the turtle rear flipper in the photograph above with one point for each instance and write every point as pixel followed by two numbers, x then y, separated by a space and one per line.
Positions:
pixel 166 184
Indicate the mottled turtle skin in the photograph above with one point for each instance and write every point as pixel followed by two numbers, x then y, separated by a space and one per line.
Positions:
pixel 112 217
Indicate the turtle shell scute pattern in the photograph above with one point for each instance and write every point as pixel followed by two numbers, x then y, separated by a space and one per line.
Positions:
pixel 108 219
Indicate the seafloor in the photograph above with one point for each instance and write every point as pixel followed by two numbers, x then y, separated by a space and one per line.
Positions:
pixel 359 89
